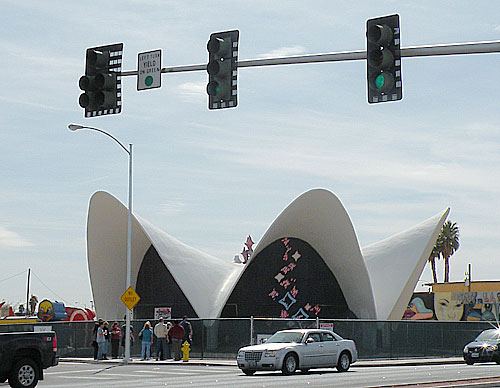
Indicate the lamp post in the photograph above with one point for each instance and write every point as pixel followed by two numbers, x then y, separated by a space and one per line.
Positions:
pixel 75 127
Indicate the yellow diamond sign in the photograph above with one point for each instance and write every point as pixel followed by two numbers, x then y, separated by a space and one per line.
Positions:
pixel 130 298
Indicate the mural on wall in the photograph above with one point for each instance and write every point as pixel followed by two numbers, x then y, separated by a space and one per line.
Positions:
pixel 287 279
pixel 286 291
pixel 454 306
pixel 421 307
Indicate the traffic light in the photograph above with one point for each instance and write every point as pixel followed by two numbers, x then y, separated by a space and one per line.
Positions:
pixel 222 69
pixel 383 58
pixel 102 81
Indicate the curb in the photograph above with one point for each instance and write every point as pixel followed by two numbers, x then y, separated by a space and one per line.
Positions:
pixel 137 361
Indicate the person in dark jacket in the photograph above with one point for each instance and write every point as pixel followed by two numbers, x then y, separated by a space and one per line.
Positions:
pixel 116 334
pixel 94 338
pixel 176 332
pixel 107 336
pixel 188 330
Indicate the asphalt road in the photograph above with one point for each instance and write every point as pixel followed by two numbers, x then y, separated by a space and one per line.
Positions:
pixel 76 374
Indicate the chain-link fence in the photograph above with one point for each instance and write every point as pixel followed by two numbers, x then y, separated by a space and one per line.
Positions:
pixel 221 338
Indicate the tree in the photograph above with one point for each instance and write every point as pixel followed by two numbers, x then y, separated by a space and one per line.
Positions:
pixel 449 243
pixel 435 254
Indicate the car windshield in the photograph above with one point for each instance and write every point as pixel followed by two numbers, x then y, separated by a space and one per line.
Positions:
pixel 489 335
pixel 284 337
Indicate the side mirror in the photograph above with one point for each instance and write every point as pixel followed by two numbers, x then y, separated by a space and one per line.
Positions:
pixel 309 340
pixel 264 340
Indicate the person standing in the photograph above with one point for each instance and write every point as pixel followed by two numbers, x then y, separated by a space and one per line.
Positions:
pixel 101 341
pixel 161 332
pixel 188 330
pixel 146 334
pixel 177 334
pixel 116 334
pixel 132 338
pixel 94 338
pixel 169 341
pixel 107 335
pixel 33 302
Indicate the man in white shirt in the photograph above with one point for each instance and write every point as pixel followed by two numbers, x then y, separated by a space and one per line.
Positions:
pixel 161 333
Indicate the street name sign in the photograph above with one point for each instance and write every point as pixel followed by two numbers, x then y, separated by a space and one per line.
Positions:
pixel 130 298
pixel 149 70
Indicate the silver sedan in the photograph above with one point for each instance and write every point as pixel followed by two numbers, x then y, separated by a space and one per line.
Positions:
pixel 304 349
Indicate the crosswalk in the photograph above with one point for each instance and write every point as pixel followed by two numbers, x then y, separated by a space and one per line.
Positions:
pixel 94 375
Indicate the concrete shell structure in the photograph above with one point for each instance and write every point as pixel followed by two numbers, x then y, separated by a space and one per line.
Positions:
pixel 376 281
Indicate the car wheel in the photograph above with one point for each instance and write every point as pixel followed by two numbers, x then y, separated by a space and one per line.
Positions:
pixel 24 374
pixel 290 364
pixel 344 362
pixel 468 361
pixel 248 372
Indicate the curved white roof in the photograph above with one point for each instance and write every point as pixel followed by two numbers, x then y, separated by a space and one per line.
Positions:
pixel 204 279
pixel 317 217
pixel 395 265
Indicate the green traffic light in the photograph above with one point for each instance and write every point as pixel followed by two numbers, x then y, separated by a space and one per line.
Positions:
pixel 380 81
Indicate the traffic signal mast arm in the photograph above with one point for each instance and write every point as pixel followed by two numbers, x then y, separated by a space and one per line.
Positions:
pixel 412 51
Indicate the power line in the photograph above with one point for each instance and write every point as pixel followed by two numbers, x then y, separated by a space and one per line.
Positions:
pixel 13 276
pixel 58 296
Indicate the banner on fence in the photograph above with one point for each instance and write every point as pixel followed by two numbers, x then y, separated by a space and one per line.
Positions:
pixel 326 325
pixel 165 312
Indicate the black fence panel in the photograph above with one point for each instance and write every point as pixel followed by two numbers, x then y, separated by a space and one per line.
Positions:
pixel 221 338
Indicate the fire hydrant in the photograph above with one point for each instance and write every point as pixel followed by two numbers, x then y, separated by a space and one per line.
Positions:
pixel 185 351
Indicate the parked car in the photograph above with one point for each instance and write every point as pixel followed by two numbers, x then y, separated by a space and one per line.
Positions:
pixel 304 349
pixel 24 356
pixel 485 348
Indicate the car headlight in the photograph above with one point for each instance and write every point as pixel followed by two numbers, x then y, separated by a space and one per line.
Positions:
pixel 241 354
pixel 466 349
pixel 270 353
pixel 492 347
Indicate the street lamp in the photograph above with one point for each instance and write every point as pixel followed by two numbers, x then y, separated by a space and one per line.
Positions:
pixel 75 127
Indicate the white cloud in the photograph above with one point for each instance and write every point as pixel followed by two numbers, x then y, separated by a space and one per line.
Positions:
pixel 9 239
pixel 191 90
pixel 170 207
pixel 283 52
pixel 21 102
pixel 36 58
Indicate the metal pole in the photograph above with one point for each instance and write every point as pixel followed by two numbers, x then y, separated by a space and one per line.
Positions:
pixel 412 51
pixel 470 279
pixel 251 330
pixel 75 127
pixel 28 293
pixel 129 254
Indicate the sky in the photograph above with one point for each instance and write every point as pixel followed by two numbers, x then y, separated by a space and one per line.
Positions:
pixel 211 178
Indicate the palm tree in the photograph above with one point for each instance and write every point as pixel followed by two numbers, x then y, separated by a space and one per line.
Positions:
pixel 449 242
pixel 435 254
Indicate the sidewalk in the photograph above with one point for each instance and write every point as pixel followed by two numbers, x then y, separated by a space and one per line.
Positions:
pixel 232 362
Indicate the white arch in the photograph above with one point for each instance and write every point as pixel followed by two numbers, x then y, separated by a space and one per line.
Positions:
pixel 317 217
pixel 395 265
pixel 201 277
